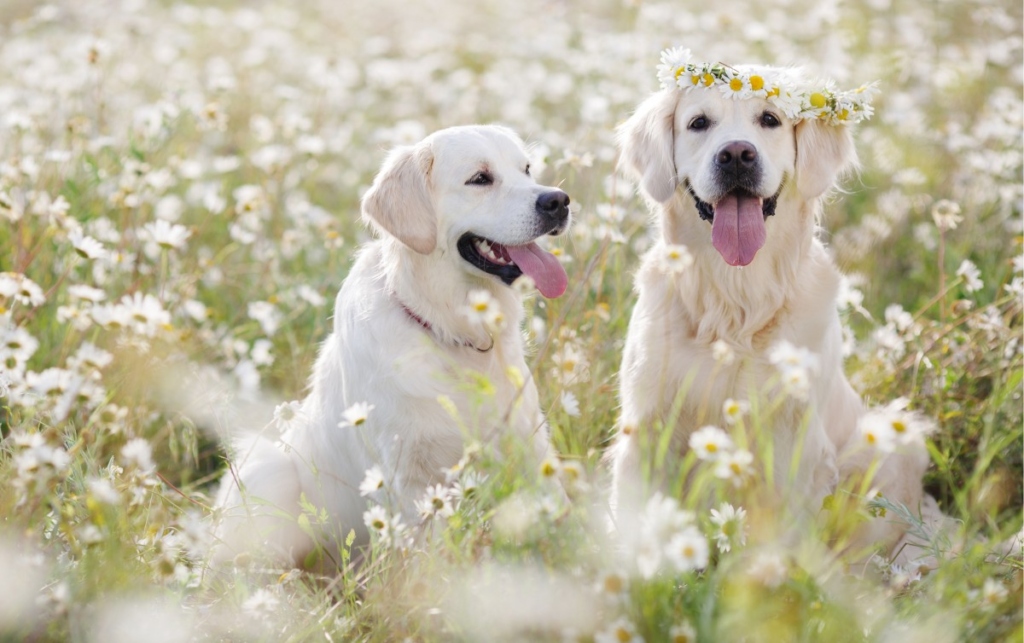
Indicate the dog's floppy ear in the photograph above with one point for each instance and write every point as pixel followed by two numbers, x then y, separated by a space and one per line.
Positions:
pixel 823 154
pixel 645 145
pixel 399 200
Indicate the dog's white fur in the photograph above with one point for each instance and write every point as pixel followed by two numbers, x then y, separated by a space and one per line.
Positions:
pixel 788 292
pixel 379 354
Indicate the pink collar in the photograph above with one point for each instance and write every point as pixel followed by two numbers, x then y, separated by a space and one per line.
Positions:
pixel 425 325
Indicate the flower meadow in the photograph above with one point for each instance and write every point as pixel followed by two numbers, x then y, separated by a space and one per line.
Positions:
pixel 179 204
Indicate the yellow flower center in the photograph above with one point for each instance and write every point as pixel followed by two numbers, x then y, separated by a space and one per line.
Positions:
pixel 711 447
pixel 358 421
pixel 679 72
pixel 681 638
pixel 756 83
pixel 843 115
pixel 613 584
pixel 774 91
pixel 694 78
pixel 480 306
pixel 898 426
pixel 735 84
pixel 735 468
pixel 871 438
pixel 688 551
pixel 817 100
pixel 709 80
pixel 623 635
pixel 378 524
pixel 547 470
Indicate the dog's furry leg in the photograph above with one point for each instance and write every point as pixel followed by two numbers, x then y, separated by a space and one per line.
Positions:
pixel 260 508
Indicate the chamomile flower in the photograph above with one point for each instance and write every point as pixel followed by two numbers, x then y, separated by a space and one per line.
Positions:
pixel 731 524
pixel 710 442
pixel 569 403
pixel 619 631
pixel 436 501
pixel 480 306
pixel 85 246
pixel 167 235
pixel 675 259
pixel 688 550
pixel 993 593
pixel 768 569
pixel 971 275
pixel 946 214
pixel 612 585
pixel 356 415
pixel 876 432
pixel 735 86
pixel 734 410
pixel 288 414
pixel 373 481
pixel 682 633
pixel 673 66
pixel 376 519
pixel 138 453
pixel 734 466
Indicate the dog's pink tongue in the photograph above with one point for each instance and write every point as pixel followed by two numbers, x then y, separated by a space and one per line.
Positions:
pixel 543 267
pixel 737 231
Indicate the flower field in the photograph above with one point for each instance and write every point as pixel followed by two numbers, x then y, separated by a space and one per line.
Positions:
pixel 179 205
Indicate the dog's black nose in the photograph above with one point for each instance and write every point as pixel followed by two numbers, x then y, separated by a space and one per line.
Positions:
pixel 554 206
pixel 736 155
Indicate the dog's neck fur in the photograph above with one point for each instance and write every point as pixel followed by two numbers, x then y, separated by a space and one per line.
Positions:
pixel 436 289
pixel 739 305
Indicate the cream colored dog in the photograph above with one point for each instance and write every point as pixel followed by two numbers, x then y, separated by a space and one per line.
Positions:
pixel 457 213
pixel 739 184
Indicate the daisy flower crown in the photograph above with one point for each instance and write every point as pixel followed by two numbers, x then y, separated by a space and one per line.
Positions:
pixel 783 87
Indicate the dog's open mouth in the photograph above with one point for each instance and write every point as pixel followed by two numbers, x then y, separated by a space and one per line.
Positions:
pixel 508 263
pixel 737 223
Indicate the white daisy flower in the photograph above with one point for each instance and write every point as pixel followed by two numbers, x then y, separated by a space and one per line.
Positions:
pixel 166 235
pixel 734 466
pixel 266 314
pixel 619 631
pixel 613 585
pixel 946 214
pixel 734 410
pixel 675 259
pixel 688 550
pixel 682 633
pixel 710 442
pixel 376 519
pixel 971 275
pixel 138 453
pixel 480 306
pixel 735 86
pixel 288 414
pixel 673 64
pixel 569 403
pixel 436 501
pixel 731 523
pixel 86 247
pixel 768 569
pixel 877 432
pixel 373 481
pixel 82 292
pixel 356 415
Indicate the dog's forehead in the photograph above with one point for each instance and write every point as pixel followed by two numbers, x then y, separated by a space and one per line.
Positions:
pixel 469 147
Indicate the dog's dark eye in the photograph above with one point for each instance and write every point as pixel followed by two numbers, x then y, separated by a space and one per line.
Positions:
pixel 700 123
pixel 527 169
pixel 770 120
pixel 481 178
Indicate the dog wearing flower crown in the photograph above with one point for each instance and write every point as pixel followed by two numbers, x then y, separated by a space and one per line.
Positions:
pixel 738 295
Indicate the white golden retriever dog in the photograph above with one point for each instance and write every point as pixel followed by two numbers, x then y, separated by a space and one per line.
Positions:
pixel 458 212
pixel 739 184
